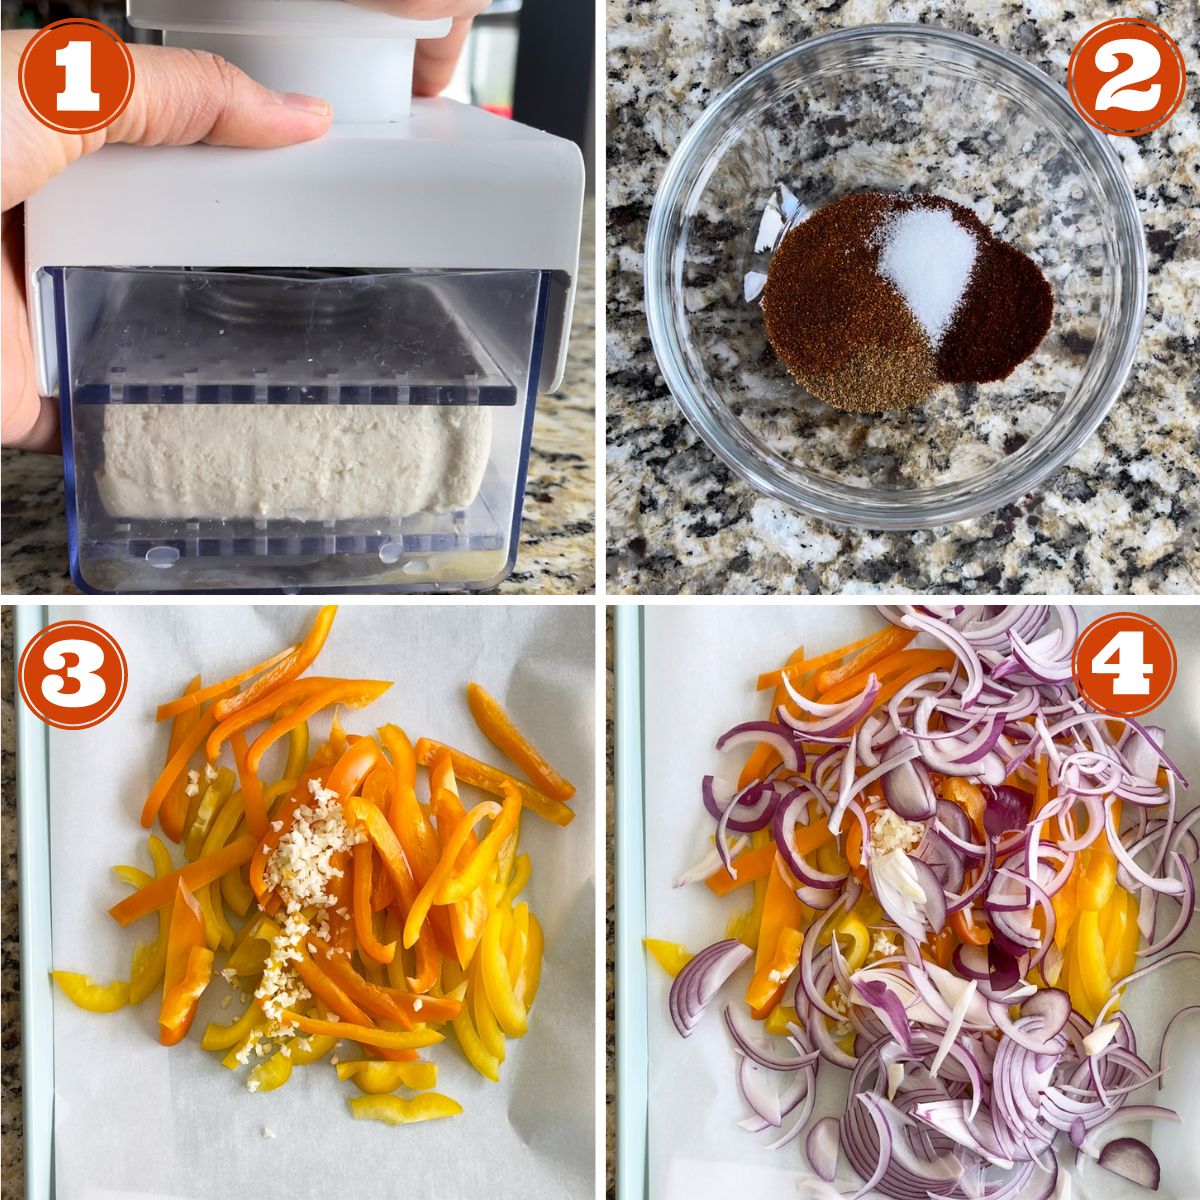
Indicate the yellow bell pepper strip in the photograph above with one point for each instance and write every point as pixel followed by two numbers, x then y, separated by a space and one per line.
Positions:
pixel 149 958
pixel 180 1000
pixel 309 1049
pixel 176 766
pixel 1089 958
pixel 781 1017
pixel 767 985
pixel 377 1077
pixel 781 910
pixel 393 1110
pixel 522 870
pixel 297 757
pixel 490 1033
pixel 519 946
pixel 408 820
pixel 479 774
pixel 442 872
pixel 671 956
pixel 185 934
pixel 204 870
pixel 1098 876
pixel 84 992
pixel 212 800
pixel 494 974
pixel 499 729
pixel 221 1037
pixel 463 881
pixel 285 670
pixel 851 926
pixel 355 693
pixel 488 1065
pixel 368 943
pixel 175 805
pixel 272 1074
pixel 526 988
pixel 192 698
pixel 365 1035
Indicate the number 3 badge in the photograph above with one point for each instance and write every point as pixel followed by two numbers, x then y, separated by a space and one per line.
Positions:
pixel 1126 77
pixel 1124 664
pixel 73 675
pixel 76 76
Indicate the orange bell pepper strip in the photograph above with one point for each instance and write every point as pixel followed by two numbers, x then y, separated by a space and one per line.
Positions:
pixel 854 850
pixel 174 807
pixel 968 929
pixel 389 1004
pixel 185 934
pixel 354 693
pixel 180 1002
pixel 194 697
pixel 283 671
pixel 195 874
pixel 967 796
pixel 781 910
pixel 176 766
pixel 499 729
pixel 769 980
pixel 362 812
pixel 285 698
pixel 908 663
pixel 479 774
pixel 890 640
pixel 368 943
pixel 454 844
pixel 252 789
pixel 749 865
pixel 351 770
pixel 795 670
pixel 407 817
pixel 764 757
pixel 317 978
pixel 463 881
pixel 365 1035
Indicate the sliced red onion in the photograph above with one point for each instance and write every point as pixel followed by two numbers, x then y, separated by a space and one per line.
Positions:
pixel 887 1007
pixel 758 1089
pixel 821 1148
pixel 785 744
pixel 909 792
pixel 935 896
pixel 699 981
pixel 1132 1159
pixel 763 1055
pixel 1089 1144
pixel 1187 907
pixel 962 649
pixel 1006 808
pixel 1051 1006
pixel 1166 1038
pixel 790 814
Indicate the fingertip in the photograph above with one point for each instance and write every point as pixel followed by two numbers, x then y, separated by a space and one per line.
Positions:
pixel 312 105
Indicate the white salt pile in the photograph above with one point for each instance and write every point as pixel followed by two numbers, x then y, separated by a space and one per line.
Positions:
pixel 928 257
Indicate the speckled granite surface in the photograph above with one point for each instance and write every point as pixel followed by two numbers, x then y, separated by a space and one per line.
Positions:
pixel 558 528
pixel 610 921
pixel 1123 516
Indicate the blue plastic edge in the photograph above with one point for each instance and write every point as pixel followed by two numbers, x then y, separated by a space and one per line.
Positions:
pixel 629 869
pixel 37 1000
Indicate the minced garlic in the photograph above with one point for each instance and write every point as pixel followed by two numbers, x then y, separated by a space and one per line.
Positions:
pixel 891 832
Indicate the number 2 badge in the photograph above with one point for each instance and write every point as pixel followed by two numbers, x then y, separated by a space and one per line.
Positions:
pixel 1126 76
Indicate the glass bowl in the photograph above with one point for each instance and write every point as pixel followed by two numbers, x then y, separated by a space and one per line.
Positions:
pixel 904 109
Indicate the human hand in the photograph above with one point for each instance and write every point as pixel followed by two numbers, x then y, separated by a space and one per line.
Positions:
pixel 180 97
pixel 435 60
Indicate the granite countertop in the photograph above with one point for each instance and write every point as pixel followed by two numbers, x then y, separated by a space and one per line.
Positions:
pixel 1123 516
pixel 557 551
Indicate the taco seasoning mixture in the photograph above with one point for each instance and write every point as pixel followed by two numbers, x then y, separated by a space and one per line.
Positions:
pixel 876 300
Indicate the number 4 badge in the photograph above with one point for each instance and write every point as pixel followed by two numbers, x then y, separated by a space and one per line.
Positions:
pixel 1124 664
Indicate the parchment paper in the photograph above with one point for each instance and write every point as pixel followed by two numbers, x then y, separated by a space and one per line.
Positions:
pixel 700 667
pixel 134 1119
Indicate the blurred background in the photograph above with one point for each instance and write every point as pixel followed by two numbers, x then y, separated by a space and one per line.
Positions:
pixel 531 60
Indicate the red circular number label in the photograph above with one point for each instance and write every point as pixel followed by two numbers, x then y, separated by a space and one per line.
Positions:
pixel 1126 76
pixel 1124 664
pixel 76 76
pixel 73 675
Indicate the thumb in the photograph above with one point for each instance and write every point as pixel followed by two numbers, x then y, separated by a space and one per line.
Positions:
pixel 184 96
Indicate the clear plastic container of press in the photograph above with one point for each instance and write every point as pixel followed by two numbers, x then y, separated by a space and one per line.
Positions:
pixel 295 430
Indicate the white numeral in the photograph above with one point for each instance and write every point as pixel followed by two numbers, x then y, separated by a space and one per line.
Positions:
pixel 77 96
pixel 89 659
pixel 1115 93
pixel 1125 659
